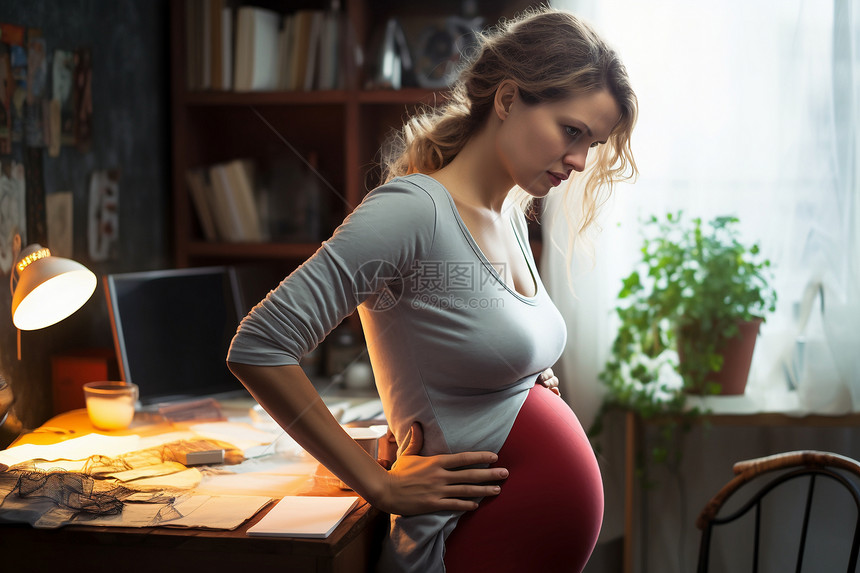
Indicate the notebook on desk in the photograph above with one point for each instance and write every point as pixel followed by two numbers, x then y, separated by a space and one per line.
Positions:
pixel 172 329
pixel 304 516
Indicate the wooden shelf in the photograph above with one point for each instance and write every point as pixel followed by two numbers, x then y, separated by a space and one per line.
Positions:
pixel 404 96
pixel 300 251
pixel 775 419
pixel 203 98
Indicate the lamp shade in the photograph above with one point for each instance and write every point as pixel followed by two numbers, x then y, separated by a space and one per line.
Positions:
pixel 46 289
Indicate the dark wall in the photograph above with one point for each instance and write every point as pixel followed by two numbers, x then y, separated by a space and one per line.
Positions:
pixel 130 132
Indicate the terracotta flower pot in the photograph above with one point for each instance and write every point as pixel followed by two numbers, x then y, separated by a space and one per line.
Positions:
pixel 737 357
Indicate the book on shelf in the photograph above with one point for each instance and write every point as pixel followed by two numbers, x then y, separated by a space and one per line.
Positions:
pixel 256 54
pixel 285 41
pixel 234 46
pixel 240 177
pixel 298 48
pixel 206 43
pixel 329 56
pixel 313 53
pixel 202 32
pixel 225 37
pixel 225 206
pixel 200 190
pixel 221 43
pixel 209 44
pixel 224 198
pixel 216 81
pixel 310 79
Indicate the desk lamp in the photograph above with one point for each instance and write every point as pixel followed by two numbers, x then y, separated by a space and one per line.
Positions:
pixel 45 290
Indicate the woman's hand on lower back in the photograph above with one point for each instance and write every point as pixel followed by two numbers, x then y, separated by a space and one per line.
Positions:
pixel 424 484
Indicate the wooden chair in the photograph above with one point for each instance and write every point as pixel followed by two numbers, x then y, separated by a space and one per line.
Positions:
pixel 778 470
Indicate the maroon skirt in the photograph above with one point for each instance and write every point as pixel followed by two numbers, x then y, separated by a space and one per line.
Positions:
pixel 548 514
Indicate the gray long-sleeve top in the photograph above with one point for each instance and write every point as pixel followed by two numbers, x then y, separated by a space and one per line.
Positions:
pixel 451 345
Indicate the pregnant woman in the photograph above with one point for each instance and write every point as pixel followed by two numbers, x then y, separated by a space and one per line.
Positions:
pixel 493 470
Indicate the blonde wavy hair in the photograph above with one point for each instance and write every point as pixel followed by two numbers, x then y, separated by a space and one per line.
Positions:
pixel 551 55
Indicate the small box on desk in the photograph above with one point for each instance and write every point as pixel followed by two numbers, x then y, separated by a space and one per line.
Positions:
pixel 69 373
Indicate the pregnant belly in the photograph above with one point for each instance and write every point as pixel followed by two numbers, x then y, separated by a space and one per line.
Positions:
pixel 549 512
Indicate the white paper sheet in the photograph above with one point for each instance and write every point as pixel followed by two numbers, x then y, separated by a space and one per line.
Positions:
pixel 75 449
pixel 219 512
pixel 251 441
pixel 276 486
pixel 200 511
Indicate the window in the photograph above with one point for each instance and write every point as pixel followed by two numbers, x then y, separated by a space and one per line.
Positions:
pixel 746 108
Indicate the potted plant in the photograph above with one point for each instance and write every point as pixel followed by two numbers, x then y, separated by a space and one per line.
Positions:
pixel 689 312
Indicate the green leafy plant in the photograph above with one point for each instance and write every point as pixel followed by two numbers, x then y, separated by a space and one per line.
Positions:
pixel 695 283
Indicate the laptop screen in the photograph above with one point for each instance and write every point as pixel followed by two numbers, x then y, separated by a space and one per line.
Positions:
pixel 172 329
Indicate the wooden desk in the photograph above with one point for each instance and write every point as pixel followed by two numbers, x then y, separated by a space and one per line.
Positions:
pixel 352 547
pixel 634 428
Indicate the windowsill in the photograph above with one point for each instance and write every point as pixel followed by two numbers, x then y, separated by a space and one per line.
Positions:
pixel 782 402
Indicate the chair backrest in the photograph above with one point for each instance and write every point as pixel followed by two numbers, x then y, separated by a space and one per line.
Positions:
pixel 775 472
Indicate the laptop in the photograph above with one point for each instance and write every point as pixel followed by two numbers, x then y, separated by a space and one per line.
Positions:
pixel 172 329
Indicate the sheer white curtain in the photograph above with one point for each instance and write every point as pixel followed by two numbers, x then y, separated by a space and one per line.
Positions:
pixel 751 109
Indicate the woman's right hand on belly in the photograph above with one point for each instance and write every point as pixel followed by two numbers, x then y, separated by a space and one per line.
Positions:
pixel 424 484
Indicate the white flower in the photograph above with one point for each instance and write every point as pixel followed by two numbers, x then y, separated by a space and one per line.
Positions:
pixel 668 377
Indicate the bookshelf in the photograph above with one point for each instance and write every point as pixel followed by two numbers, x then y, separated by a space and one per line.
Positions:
pixel 343 128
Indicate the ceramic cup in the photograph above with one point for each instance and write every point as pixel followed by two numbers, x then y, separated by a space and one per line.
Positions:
pixel 110 405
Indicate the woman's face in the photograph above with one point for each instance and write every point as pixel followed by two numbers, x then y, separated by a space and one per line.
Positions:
pixel 540 145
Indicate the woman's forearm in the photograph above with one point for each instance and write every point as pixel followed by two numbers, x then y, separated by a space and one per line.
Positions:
pixel 289 397
pixel 414 484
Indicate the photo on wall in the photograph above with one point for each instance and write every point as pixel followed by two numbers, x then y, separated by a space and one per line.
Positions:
pixel 13 209
pixel 103 220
